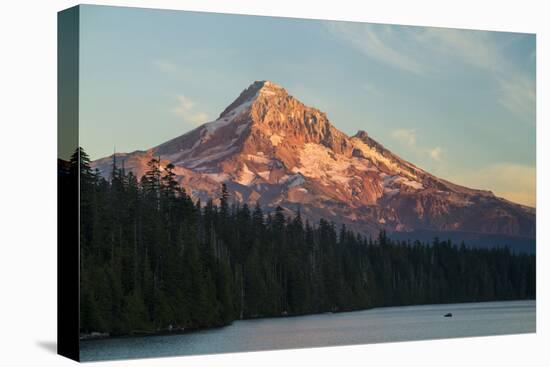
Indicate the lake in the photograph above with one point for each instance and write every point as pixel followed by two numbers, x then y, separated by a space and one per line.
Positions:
pixel 389 324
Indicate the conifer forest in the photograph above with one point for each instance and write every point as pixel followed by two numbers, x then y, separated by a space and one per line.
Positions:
pixel 153 260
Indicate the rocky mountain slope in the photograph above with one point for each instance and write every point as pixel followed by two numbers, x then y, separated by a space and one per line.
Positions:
pixel 270 148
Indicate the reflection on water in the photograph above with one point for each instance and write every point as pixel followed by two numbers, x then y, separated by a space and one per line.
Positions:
pixel 371 326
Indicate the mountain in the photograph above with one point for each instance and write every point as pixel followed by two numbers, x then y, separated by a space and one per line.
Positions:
pixel 269 147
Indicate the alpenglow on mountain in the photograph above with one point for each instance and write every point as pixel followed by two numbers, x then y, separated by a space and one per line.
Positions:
pixel 270 148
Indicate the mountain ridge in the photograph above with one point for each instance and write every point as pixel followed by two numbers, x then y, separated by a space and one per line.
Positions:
pixel 269 147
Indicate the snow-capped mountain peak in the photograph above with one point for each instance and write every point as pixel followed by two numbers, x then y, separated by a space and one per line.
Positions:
pixel 269 147
pixel 257 89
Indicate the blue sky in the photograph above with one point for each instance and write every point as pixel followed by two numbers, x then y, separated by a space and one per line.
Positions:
pixel 458 103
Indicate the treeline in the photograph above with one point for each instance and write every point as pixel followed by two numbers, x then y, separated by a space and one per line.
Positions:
pixel 152 260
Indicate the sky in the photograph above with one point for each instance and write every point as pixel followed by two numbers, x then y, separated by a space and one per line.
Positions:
pixel 457 103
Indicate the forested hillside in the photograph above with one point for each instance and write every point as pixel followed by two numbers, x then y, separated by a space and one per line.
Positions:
pixel 154 260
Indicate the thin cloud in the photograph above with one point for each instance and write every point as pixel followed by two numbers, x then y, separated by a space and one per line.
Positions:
pixel 166 66
pixel 422 51
pixel 378 42
pixel 186 110
pixel 173 70
pixel 405 137
pixel 476 48
pixel 518 95
pixel 435 153
pixel 512 181
pixel 408 138
pixel 371 89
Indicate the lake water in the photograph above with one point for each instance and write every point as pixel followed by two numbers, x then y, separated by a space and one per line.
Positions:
pixel 361 327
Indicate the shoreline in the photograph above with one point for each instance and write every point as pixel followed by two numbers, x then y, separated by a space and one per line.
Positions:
pixel 106 336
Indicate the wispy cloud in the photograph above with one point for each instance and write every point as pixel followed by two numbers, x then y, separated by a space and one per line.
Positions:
pixel 185 107
pixel 435 153
pixel 166 66
pixel 407 138
pixel 518 95
pixel 476 48
pixel 174 70
pixel 425 51
pixel 372 89
pixel 379 42
pixel 479 49
pixel 186 110
pixel 512 181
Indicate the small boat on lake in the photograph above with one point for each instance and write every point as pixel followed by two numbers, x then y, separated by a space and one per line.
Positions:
pixel 448 315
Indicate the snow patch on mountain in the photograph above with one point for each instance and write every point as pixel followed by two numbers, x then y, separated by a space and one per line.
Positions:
pixel 209 157
pixel 246 176
pixel 391 181
pixel 264 175
pixel 218 177
pixel 378 159
pixel 292 180
pixel 240 129
pixel 256 158
pixel 212 127
pixel 318 161
pixel 275 139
